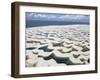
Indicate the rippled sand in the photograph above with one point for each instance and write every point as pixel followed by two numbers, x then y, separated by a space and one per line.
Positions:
pixel 57 45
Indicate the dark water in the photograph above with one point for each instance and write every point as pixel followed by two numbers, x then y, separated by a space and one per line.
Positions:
pixel 59 60
pixel 30 48
pixel 36 23
pixel 45 49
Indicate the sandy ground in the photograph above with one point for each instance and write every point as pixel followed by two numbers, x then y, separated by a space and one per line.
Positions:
pixel 61 45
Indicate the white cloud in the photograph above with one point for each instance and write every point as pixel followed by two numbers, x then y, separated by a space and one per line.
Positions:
pixel 30 14
pixel 40 16
pixel 55 16
pixel 72 17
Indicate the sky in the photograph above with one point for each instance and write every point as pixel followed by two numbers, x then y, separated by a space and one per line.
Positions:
pixel 55 16
pixel 41 19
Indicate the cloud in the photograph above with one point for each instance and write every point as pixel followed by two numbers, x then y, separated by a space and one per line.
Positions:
pixel 47 16
pixel 52 16
pixel 72 16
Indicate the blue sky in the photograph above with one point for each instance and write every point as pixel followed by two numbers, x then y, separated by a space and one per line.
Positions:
pixel 43 19
pixel 56 16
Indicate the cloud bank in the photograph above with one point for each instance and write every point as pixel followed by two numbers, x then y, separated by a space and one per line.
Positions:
pixel 55 17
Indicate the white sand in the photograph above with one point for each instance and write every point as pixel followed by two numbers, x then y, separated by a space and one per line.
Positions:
pixel 57 45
